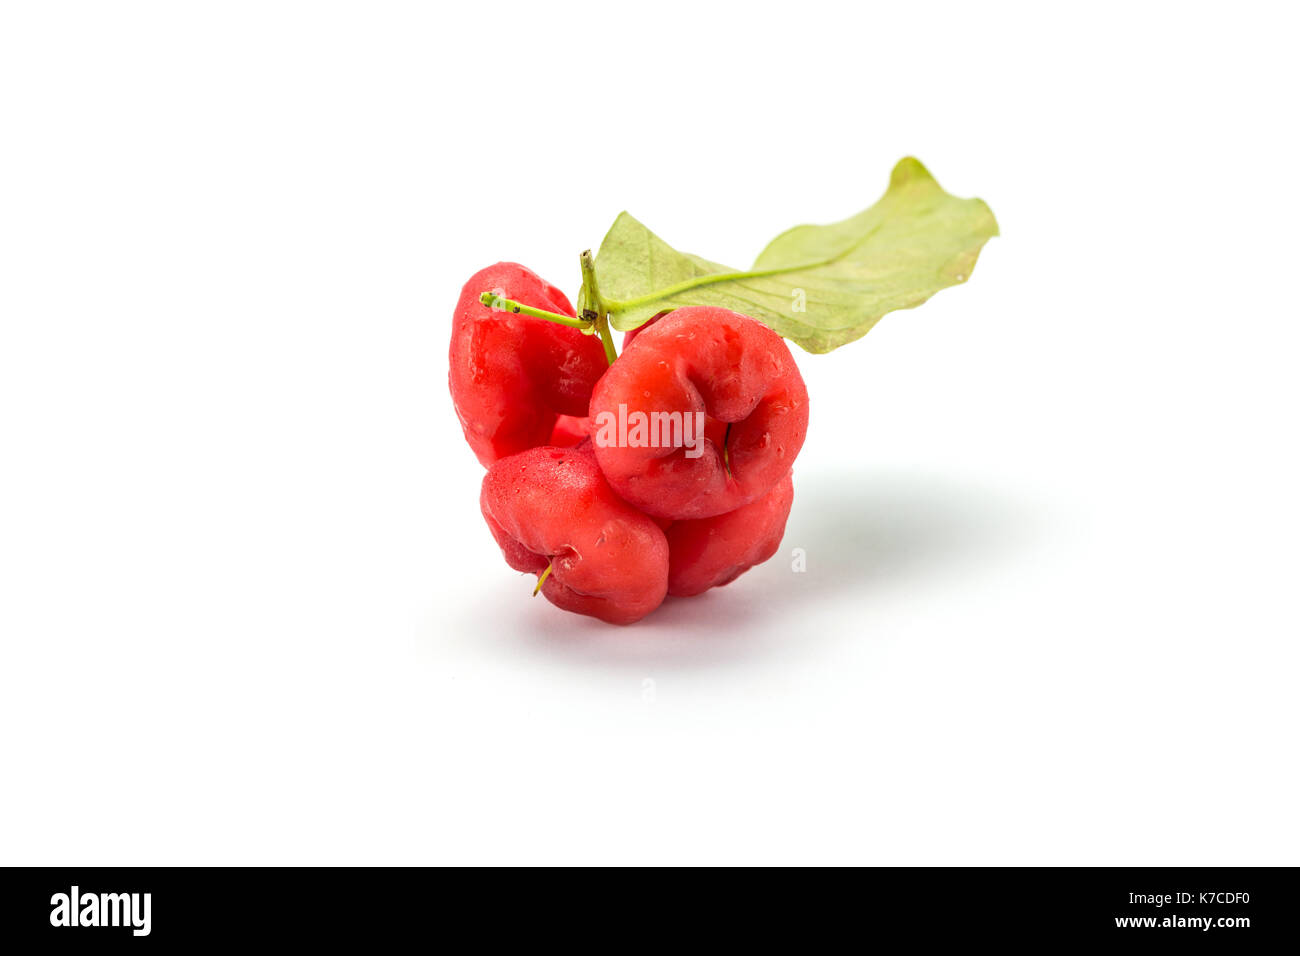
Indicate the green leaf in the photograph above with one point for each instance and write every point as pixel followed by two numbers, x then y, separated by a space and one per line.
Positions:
pixel 915 241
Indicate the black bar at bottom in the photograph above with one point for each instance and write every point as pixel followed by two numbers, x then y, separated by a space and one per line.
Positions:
pixel 370 908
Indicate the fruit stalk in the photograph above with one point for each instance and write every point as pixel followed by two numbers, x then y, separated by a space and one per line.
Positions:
pixel 494 301
pixel 593 307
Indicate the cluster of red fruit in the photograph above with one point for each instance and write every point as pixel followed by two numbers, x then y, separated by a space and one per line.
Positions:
pixel 611 527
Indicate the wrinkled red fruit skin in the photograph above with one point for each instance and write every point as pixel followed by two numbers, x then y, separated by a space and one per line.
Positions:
pixel 734 369
pixel 512 375
pixel 570 431
pixel 552 504
pixel 711 552
pixel 631 334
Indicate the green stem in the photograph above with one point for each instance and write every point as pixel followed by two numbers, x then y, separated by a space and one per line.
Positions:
pixel 542 580
pixel 606 339
pixel 518 308
pixel 593 306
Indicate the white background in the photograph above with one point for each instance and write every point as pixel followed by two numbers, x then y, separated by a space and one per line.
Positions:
pixel 249 611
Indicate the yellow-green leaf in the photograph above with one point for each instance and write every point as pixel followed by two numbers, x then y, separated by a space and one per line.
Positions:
pixel 819 286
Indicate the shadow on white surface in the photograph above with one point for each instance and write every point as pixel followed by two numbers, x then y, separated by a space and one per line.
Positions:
pixel 880 532
pixel 866 537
